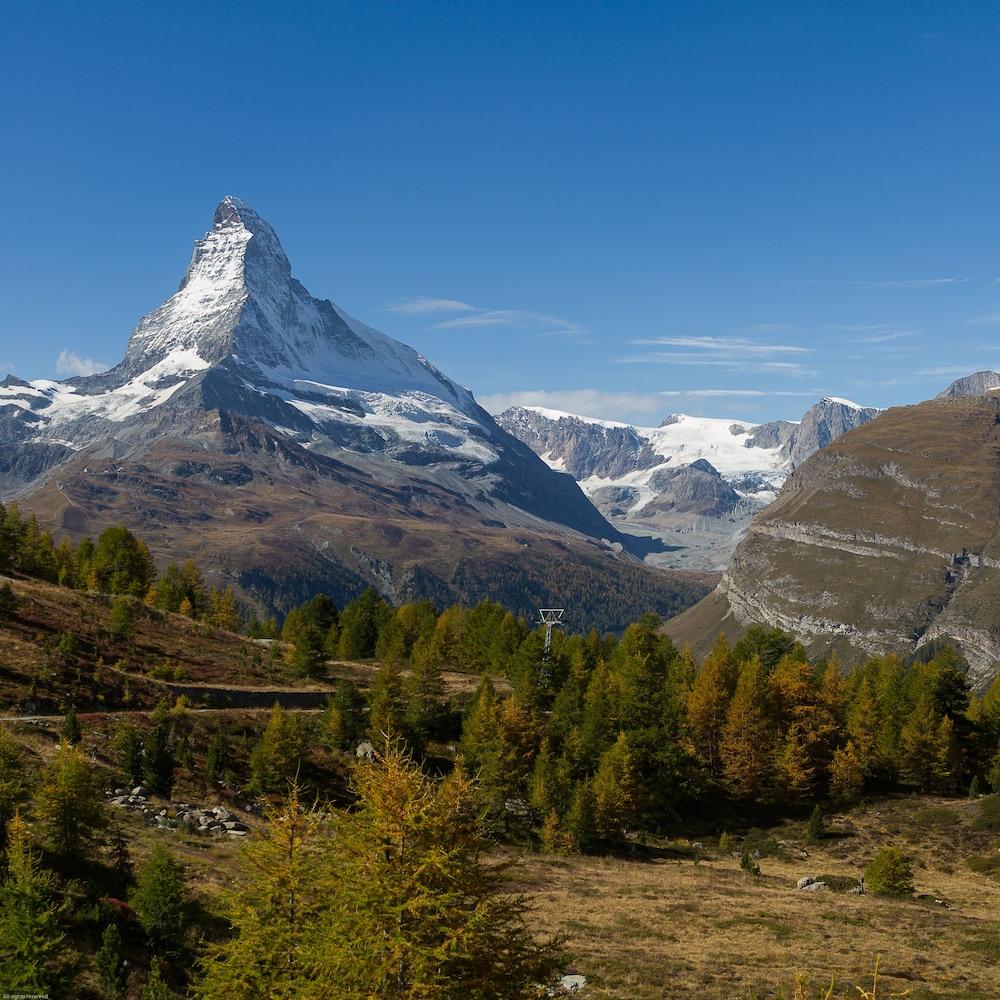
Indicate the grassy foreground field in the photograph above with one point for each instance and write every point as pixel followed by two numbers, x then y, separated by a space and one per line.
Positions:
pixel 691 923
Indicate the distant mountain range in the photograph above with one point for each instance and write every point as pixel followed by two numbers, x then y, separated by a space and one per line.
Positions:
pixel 693 482
pixel 290 448
pixel 884 541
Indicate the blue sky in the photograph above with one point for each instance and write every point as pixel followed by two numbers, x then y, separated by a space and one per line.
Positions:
pixel 618 208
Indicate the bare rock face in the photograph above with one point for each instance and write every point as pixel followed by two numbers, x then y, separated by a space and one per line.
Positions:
pixel 976 384
pixel 697 488
pixel 882 541
pixel 290 448
pixel 823 423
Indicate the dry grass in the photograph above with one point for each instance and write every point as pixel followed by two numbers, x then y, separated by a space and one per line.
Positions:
pixel 675 927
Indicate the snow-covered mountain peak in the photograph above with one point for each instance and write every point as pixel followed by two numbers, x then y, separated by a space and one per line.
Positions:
pixel 242 332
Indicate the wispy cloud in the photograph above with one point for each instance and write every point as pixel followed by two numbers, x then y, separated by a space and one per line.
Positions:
pixel 987 319
pixel 513 318
pixel 738 392
pixel 628 407
pixel 476 316
pixel 907 284
pixel 417 306
pixel 859 327
pixel 956 371
pixel 70 363
pixel 739 345
pixel 748 366
pixel 885 338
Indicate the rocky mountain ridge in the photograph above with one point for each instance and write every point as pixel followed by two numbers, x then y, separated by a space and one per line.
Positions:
pixel 693 482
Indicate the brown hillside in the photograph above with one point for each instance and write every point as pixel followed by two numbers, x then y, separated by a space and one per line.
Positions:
pixel 884 540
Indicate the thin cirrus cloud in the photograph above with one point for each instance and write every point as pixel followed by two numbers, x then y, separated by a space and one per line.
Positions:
pixel 514 318
pixel 710 393
pixel 419 306
pixel 71 363
pixel 741 345
pixel 476 317
pixel 904 285
pixel 885 338
pixel 987 319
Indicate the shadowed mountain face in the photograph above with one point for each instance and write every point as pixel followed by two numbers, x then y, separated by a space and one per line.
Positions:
pixel 886 539
pixel 290 447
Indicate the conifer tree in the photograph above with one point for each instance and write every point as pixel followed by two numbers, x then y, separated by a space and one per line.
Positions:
pixel 708 702
pixel 617 791
pixel 158 900
pixel 846 774
pixel 580 822
pixel 360 624
pixel 387 708
pixel 553 836
pixel 413 909
pixel 276 758
pixel 600 715
pixel 307 655
pixel 863 723
pixel 13 783
pixel 33 951
pixel 424 696
pixel 919 749
pixel 70 804
pixel 155 988
pixel 127 748
pixel 344 718
pixel 396 639
pixel 122 621
pixel 274 909
pixel 158 753
pixel 224 609
pixel 216 759
pixel 747 748
pixel 551 787
pixel 121 563
pixel 70 730
pixel 109 962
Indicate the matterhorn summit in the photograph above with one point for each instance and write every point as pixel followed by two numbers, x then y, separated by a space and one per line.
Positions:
pixel 292 448
pixel 244 333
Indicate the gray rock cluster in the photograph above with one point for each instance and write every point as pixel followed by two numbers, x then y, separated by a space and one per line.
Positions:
pixel 217 820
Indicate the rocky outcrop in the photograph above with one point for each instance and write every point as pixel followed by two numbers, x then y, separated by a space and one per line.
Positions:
pixel 976 384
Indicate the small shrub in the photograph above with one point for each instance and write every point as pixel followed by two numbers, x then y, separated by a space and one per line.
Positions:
pixel 986 864
pixel 838 883
pixel 765 846
pixel 749 865
pixel 816 830
pixel 890 873
pixel 68 644
pixel 936 817
pixel 989 813
pixel 8 602
pixel 974 789
pixel 725 843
